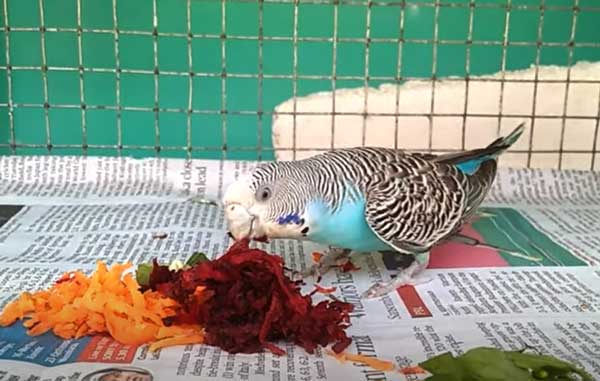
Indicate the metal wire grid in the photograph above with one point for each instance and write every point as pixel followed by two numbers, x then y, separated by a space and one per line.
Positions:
pixel 295 76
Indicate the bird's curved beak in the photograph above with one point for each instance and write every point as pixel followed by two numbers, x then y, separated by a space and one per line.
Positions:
pixel 240 222
pixel 238 201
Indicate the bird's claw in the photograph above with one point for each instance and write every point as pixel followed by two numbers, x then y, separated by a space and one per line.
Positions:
pixel 319 269
pixel 381 289
pixel 406 277
pixel 377 290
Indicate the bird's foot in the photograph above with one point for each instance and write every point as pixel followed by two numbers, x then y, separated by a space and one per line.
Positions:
pixel 334 257
pixel 410 276
pixel 383 288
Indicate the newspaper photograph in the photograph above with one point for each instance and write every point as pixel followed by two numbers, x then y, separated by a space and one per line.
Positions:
pixel 527 276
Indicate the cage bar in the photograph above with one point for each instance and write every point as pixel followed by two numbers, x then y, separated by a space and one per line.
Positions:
pixel 424 41
pixel 334 70
pixel 399 72
pixel 264 112
pixel 190 102
pixel 503 63
pixel 434 47
pixel 568 82
pixel 155 75
pixel 538 52
pixel 291 76
pixel 117 79
pixel 595 141
pixel 10 102
pixel 449 4
pixel 467 73
pixel 366 76
pixel 252 148
pixel 224 74
pixel 45 75
pixel 84 139
pixel 295 78
pixel 259 121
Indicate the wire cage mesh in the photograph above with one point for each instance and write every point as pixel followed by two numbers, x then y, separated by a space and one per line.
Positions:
pixel 201 78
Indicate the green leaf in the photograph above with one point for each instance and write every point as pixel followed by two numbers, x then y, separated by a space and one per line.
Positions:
pixel 491 364
pixel 196 258
pixel 553 366
pixel 445 377
pixel 445 363
pixel 444 367
pixel 142 274
pixel 481 363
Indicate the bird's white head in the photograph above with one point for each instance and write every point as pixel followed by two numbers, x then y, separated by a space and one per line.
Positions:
pixel 240 210
pixel 256 208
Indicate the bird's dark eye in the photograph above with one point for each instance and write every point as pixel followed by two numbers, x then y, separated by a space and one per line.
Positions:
pixel 263 194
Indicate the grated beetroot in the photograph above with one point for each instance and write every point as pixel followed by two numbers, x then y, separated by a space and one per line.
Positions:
pixel 248 302
pixel 349 266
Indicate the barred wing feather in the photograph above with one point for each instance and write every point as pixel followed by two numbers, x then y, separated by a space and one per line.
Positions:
pixel 413 212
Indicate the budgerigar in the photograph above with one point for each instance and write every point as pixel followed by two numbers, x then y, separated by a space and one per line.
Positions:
pixel 366 199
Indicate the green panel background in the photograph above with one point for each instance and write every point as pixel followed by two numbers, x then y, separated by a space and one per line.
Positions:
pixel 314 58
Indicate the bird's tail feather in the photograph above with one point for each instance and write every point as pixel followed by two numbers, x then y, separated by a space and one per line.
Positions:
pixel 493 149
pixel 469 161
pixel 510 139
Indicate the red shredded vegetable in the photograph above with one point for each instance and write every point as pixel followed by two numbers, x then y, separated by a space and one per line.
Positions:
pixel 324 290
pixel 349 266
pixel 248 303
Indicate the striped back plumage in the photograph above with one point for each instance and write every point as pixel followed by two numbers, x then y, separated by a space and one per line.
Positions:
pixel 412 200
pixel 347 174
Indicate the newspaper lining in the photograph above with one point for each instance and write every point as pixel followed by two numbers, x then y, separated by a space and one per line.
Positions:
pixel 67 212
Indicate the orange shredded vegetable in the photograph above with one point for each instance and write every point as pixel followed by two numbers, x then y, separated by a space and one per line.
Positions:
pixel 106 302
pixel 412 370
pixel 316 256
pixel 373 362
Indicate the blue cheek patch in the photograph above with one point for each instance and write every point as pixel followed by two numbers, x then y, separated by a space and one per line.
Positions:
pixel 290 218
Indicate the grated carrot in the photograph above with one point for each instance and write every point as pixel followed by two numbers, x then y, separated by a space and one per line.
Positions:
pixel 373 362
pixel 176 335
pixel 412 370
pixel 316 256
pixel 106 302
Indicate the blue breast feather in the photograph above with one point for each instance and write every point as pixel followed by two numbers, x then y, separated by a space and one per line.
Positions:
pixel 346 228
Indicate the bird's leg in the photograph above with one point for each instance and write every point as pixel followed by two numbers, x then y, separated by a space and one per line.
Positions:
pixel 406 276
pixel 330 259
